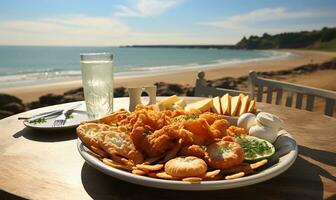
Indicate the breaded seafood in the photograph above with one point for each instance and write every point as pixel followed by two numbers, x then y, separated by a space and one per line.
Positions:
pixel 160 141
pixel 189 166
pixel 117 143
pixel 89 133
pixel 223 154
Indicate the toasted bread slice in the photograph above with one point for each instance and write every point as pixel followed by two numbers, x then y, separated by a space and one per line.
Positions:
pixel 245 102
pixel 252 107
pixel 216 105
pixel 235 105
pixel 202 105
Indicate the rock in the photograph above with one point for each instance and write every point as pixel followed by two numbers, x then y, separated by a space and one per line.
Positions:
pixel 74 91
pixel 50 99
pixel 5 113
pixel 73 97
pixel 34 104
pixel 13 107
pixel 6 99
pixel 227 83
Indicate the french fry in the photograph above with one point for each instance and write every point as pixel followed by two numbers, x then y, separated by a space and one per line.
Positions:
pixel 235 176
pixel 212 174
pixel 258 164
pixel 111 163
pixel 164 175
pixel 139 172
pixel 149 167
pixel 192 179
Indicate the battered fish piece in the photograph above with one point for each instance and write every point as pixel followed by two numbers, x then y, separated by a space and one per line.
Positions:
pixel 89 133
pixel 224 155
pixel 113 119
pixel 117 143
pixel 193 150
pixel 160 141
pixel 203 133
pixel 211 117
pixel 235 130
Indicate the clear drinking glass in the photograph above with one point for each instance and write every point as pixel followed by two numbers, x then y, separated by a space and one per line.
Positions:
pixel 97 78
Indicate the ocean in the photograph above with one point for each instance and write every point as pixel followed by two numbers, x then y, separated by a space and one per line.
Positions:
pixel 25 65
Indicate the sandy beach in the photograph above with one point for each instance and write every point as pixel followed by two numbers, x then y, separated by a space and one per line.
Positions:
pixel 302 57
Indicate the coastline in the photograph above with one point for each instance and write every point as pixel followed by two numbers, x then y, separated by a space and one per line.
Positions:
pixel 33 92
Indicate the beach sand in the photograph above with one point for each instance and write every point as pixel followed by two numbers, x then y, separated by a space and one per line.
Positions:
pixel 302 57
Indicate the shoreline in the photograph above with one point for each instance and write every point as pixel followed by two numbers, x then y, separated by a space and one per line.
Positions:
pixel 19 80
pixel 33 92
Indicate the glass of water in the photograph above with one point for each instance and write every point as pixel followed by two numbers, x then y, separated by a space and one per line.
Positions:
pixel 97 79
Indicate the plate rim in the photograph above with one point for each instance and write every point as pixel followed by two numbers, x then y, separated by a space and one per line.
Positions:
pixel 180 185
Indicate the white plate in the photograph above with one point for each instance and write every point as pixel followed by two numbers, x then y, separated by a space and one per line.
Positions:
pixel 77 117
pixel 286 153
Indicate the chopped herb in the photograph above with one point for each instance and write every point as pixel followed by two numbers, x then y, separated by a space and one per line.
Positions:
pixel 147 132
pixel 254 147
pixel 183 118
pixel 204 147
pixel 69 116
pixel 38 121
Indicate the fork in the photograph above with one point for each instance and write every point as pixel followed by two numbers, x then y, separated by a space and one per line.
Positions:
pixel 60 120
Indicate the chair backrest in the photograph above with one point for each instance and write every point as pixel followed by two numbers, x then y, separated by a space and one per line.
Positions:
pixel 257 85
pixel 202 88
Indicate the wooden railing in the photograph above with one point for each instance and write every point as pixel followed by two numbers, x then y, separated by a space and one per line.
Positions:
pixel 258 84
pixel 280 90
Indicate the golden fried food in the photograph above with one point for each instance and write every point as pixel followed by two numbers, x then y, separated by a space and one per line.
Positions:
pixel 90 132
pixel 193 150
pixel 203 133
pixel 235 130
pixel 219 128
pixel 114 118
pixel 169 144
pixel 224 154
pixel 211 117
pixel 160 141
pixel 120 143
pixel 183 167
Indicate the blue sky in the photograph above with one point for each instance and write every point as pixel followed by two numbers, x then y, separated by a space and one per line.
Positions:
pixel 117 22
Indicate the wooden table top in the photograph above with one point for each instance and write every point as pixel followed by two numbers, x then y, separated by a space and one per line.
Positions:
pixel 47 165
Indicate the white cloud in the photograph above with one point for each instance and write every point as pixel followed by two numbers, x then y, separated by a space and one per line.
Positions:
pixel 145 8
pixel 248 20
pixel 79 30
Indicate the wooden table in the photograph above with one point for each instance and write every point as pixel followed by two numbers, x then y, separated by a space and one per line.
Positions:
pixel 42 165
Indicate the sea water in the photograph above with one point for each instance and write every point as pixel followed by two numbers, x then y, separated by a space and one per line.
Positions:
pixel 28 65
pixel 97 78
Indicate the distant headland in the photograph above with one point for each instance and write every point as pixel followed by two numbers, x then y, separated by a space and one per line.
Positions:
pixel 324 39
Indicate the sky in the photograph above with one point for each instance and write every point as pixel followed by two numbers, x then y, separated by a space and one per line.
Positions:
pixel 131 22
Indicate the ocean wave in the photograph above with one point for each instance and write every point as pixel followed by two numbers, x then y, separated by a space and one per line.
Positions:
pixel 54 75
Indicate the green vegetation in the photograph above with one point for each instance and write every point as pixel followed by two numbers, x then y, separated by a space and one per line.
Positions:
pixel 324 39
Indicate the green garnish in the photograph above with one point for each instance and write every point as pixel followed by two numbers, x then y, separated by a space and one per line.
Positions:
pixel 38 121
pixel 147 132
pixel 183 118
pixel 255 148
pixel 69 116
